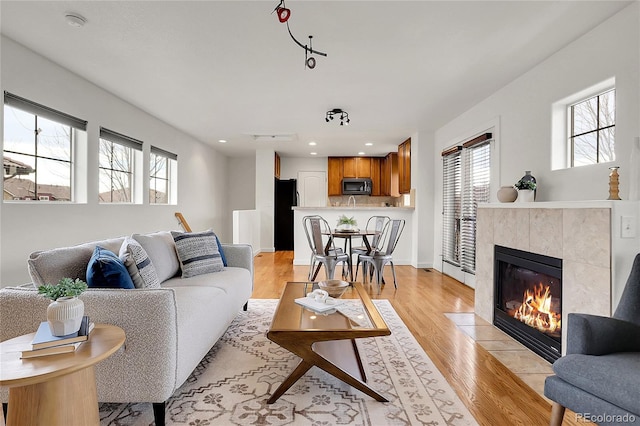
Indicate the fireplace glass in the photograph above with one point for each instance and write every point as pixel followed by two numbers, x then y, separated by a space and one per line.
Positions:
pixel 528 299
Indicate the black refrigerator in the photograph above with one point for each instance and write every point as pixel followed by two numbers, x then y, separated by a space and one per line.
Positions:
pixel 285 197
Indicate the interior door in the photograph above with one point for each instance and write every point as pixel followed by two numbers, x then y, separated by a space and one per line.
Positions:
pixel 312 187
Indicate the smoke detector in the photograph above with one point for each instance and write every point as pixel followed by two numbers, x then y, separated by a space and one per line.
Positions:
pixel 75 20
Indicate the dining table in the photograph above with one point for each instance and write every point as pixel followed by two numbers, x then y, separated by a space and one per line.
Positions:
pixel 347 235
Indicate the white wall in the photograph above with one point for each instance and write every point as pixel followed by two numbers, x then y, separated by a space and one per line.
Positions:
pixel 26 227
pixel 523 111
pixel 242 186
pixel 290 166
pixel 265 188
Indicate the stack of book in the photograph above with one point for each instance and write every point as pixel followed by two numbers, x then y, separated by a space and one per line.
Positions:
pixel 45 343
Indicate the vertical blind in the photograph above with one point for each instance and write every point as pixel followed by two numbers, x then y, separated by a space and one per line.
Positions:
pixel 467 176
pixel 451 204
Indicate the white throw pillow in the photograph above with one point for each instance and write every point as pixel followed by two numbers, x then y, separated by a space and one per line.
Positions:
pixel 162 252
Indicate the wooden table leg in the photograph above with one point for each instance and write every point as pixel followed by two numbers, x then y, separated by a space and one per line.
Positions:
pixel 302 368
pixel 66 400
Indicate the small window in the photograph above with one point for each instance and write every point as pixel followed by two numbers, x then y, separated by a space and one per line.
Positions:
pixel 117 161
pixel 38 151
pixel 163 171
pixel 592 130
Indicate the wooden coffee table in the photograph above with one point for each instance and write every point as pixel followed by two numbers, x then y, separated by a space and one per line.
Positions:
pixel 326 341
pixel 56 389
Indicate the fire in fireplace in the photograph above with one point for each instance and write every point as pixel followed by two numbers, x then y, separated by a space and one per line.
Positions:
pixel 528 299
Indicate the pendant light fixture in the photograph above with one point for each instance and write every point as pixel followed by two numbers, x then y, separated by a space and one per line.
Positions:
pixel 283 16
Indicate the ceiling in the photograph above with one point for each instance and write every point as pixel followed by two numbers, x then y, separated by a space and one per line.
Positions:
pixel 229 69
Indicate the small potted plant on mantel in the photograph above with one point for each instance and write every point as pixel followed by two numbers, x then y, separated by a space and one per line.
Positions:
pixel 64 313
pixel 526 190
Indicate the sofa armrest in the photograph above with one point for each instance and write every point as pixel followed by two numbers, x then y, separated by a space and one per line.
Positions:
pixel 239 255
pixel 597 335
pixel 145 370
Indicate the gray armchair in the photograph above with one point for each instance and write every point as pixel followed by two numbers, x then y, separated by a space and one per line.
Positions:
pixel 599 377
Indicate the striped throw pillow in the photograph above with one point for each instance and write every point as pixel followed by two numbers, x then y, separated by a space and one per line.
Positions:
pixel 138 264
pixel 198 253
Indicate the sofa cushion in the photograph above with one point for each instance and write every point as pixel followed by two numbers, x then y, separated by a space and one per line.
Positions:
pixel 50 266
pixel 198 253
pixel 106 270
pixel 141 269
pixel 162 252
pixel 613 378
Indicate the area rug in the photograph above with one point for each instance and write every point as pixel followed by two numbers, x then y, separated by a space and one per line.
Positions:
pixel 234 380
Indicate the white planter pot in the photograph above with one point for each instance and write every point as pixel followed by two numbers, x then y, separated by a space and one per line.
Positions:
pixel 525 196
pixel 65 315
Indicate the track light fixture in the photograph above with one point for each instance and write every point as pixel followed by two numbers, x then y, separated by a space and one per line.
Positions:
pixel 344 116
pixel 283 16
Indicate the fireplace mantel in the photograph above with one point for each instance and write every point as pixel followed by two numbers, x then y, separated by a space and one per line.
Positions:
pixel 584 234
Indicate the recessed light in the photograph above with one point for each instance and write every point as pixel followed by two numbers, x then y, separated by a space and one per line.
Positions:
pixel 361 153
pixel 222 141
pixel 312 143
pixel 369 144
pixel 75 20
pixel 313 153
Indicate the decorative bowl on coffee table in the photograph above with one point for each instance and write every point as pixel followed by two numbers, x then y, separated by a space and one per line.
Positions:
pixel 335 288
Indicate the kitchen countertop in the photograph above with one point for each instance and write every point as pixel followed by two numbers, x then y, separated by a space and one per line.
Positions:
pixel 365 207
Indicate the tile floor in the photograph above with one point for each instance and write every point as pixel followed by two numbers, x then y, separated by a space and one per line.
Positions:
pixel 531 368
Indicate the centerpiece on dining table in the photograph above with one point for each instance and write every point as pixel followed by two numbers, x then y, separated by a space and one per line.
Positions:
pixel 347 224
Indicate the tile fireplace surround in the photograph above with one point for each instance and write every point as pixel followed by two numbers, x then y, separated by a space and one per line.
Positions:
pixel 583 234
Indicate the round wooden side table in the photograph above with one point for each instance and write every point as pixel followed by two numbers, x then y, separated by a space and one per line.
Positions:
pixel 56 389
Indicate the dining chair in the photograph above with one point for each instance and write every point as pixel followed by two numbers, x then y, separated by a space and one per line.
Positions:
pixel 374 223
pixel 383 253
pixel 323 250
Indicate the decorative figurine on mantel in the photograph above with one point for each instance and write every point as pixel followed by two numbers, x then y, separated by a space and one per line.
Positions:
pixel 613 183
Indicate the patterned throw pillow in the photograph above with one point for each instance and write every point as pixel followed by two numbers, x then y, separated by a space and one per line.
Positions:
pixel 198 253
pixel 138 264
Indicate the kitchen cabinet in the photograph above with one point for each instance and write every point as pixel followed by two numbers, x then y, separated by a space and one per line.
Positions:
pixel 334 175
pixel 404 166
pixel 376 175
pixel 356 167
pixel 389 175
pixel 276 166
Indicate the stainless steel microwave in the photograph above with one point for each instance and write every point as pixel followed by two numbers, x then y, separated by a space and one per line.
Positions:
pixel 356 186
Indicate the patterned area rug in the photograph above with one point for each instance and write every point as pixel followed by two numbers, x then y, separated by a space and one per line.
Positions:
pixel 234 380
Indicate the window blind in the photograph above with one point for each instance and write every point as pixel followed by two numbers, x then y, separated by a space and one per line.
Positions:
pixel 163 153
pixel 119 138
pixel 476 177
pixel 451 204
pixel 44 111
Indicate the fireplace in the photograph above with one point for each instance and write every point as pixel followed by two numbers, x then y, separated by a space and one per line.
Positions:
pixel 528 299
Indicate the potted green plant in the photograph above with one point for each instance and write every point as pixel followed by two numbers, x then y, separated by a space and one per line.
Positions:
pixel 347 223
pixel 526 190
pixel 64 313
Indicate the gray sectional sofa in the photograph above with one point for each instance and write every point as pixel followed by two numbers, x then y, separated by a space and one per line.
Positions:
pixel 169 329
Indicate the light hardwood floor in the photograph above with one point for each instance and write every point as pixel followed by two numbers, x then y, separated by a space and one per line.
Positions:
pixel 492 393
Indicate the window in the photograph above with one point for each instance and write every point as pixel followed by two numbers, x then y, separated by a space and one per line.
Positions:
pixel 38 151
pixel 592 129
pixel 466 182
pixel 117 161
pixel 163 172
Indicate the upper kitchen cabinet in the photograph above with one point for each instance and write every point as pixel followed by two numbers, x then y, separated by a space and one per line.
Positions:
pixel 276 166
pixel 404 166
pixel 376 176
pixel 389 175
pixel 356 167
pixel 334 175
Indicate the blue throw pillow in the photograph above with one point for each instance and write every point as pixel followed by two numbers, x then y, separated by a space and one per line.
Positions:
pixel 224 259
pixel 106 270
